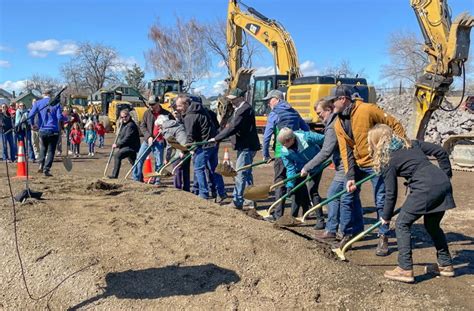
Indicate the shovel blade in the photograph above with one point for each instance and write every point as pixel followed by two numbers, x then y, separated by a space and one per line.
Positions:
pixel 264 213
pixel 255 193
pixel 339 253
pixel 67 163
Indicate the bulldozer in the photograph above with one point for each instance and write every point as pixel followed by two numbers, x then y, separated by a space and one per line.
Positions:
pixel 166 90
pixel 112 104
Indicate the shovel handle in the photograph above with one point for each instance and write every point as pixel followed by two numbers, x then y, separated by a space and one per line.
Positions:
pixel 334 197
pixel 301 184
pixel 246 167
pixel 200 143
pixel 181 162
pixel 168 164
pixel 363 233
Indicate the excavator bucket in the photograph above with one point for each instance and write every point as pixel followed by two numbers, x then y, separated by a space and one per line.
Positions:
pixel 459 40
pixel 224 107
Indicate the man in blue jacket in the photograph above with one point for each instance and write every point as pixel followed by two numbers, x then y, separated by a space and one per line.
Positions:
pixel 49 116
pixel 282 115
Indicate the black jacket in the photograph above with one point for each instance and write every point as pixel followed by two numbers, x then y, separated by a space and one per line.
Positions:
pixel 430 187
pixel 146 125
pixel 198 124
pixel 242 129
pixel 129 136
pixel 6 122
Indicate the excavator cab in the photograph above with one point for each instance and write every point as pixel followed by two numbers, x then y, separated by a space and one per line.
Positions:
pixel 261 86
pixel 165 89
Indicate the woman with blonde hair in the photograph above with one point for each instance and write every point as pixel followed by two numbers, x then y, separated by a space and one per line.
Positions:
pixel 430 195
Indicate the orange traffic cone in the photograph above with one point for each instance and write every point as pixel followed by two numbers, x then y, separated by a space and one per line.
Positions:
pixel 21 165
pixel 226 156
pixel 147 169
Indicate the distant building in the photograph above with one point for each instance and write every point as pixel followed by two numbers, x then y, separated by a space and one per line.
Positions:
pixel 5 97
pixel 27 99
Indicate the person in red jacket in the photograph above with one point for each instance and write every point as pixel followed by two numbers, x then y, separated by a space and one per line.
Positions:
pixel 100 130
pixel 76 138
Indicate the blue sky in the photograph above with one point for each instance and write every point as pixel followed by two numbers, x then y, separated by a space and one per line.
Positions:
pixel 38 36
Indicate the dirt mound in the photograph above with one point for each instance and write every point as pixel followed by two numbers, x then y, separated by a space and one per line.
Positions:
pixel 168 249
pixel 286 221
pixel 102 185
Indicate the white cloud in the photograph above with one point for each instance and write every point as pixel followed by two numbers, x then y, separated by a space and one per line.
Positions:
pixel 11 86
pixel 43 48
pixel 199 89
pixel 5 48
pixel 124 63
pixel 308 68
pixel 263 71
pixel 4 63
pixel 219 87
pixel 68 49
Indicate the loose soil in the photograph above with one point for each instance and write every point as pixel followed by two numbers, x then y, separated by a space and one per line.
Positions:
pixel 137 246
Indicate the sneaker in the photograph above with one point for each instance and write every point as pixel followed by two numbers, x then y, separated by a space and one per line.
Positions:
pixel 92 154
pixel 319 224
pixel 342 242
pixel 401 275
pixel 339 236
pixel 447 271
pixel 69 152
pixel 47 174
pixel 382 246
pixel 325 235
pixel 111 177
pixel 249 205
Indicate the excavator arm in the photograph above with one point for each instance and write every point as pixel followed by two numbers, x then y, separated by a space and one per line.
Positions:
pixel 447 45
pixel 268 32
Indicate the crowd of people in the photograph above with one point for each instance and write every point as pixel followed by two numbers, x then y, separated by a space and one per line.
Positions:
pixel 360 139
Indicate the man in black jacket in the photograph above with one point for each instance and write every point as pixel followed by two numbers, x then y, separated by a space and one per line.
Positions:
pixel 128 142
pixel 243 132
pixel 200 127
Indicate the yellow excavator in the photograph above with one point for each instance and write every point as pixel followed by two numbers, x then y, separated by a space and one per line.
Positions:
pixel 447 45
pixel 302 92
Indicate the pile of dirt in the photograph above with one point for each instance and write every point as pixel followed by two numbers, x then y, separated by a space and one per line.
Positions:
pixel 102 185
pixel 149 248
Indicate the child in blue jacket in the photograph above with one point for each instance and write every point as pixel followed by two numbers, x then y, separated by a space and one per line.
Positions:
pixel 299 148
pixel 90 138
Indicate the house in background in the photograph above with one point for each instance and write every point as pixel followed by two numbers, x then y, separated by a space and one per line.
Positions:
pixel 5 97
pixel 27 99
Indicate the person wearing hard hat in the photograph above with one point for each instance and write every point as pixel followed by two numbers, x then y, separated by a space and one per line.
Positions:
pixel 243 133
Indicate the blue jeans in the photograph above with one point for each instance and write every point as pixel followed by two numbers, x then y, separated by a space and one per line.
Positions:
pixel 200 160
pixel 91 147
pixel 354 217
pixel 243 178
pixel 101 141
pixel 158 151
pixel 8 143
pixel 334 207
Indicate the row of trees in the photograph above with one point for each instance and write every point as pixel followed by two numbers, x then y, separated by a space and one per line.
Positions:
pixel 185 50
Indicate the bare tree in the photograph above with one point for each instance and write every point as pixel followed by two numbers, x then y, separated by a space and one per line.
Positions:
pixel 407 58
pixel 216 39
pixel 343 69
pixel 179 51
pixel 92 67
pixel 41 83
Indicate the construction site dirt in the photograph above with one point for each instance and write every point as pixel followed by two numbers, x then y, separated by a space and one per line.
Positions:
pixel 137 246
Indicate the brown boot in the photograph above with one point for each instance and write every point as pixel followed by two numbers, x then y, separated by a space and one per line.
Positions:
pixel 398 274
pixel 341 243
pixel 382 246
pixel 325 236
pixel 447 271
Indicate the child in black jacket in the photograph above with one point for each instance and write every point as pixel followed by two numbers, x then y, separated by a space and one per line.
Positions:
pixel 430 195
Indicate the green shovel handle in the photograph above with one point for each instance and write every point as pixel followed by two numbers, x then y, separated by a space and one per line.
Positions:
pixel 301 184
pixel 246 167
pixel 336 196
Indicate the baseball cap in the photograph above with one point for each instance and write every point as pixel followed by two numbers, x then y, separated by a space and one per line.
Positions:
pixel 339 90
pixel 274 94
pixel 152 100
pixel 234 93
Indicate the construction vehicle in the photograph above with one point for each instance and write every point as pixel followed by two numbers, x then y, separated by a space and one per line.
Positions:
pixel 166 90
pixel 112 104
pixel 447 45
pixel 78 102
pixel 302 92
